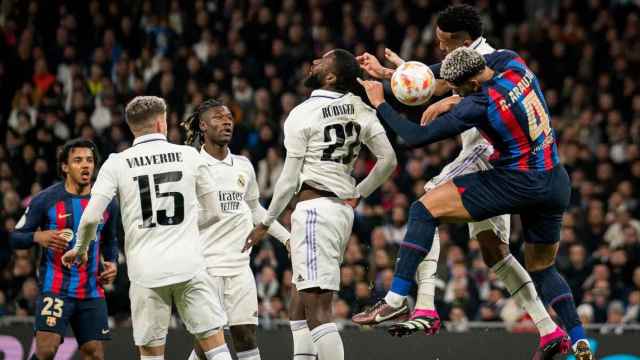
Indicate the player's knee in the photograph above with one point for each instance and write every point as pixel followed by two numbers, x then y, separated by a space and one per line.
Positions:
pixel 46 351
pixel 91 351
pixel 244 337
pixel 538 257
pixel 492 248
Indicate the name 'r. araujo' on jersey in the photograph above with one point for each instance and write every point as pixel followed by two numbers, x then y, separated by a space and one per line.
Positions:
pixel 519 126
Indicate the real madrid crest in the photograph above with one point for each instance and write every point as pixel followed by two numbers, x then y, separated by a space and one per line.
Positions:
pixel 241 181
pixel 51 321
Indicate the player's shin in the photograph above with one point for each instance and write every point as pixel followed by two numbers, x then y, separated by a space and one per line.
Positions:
pixel 426 277
pixel 303 347
pixel 521 287
pixel 417 243
pixel 555 291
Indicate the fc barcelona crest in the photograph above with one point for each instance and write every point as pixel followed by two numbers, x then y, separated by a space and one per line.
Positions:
pixel 51 321
pixel 241 181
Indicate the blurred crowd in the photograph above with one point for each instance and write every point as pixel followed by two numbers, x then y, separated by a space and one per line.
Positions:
pixel 68 68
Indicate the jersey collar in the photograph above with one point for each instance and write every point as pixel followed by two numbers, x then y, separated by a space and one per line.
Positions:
pixel 149 138
pixel 227 160
pixel 326 94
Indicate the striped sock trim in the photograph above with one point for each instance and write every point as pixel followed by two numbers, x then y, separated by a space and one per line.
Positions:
pixel 304 356
pixel 216 351
pixel 248 354
pixel 560 298
pixel 322 330
pixel 298 325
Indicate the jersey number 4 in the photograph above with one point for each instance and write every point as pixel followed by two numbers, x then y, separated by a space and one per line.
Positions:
pixel 538 117
pixel 340 135
pixel 147 205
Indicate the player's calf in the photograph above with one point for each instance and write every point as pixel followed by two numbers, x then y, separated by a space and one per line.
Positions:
pixel 245 342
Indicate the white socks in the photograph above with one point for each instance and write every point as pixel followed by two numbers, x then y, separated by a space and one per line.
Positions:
pixel 303 347
pixel 393 299
pixel 426 277
pixel 219 353
pixel 249 355
pixel 521 288
pixel 244 355
pixel 328 342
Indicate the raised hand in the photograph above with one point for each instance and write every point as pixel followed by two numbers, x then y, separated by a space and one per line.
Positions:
pixel 374 90
pixel 438 108
pixel 392 57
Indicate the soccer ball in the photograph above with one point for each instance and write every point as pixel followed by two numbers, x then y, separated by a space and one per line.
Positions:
pixel 413 83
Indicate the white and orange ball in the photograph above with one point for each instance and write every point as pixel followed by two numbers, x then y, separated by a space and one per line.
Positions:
pixel 413 83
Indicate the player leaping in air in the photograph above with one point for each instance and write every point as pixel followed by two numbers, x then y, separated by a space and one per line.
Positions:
pixel 502 98
pixel 460 25
pixel 234 179
pixel 160 186
pixel 70 296
pixel 322 137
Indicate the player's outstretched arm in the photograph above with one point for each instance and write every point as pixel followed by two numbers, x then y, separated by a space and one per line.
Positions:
pixel 386 162
pixel 87 229
pixel 282 194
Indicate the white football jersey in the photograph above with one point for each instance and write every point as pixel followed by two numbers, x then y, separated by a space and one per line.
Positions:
pixel 327 130
pixel 158 184
pixel 472 137
pixel 234 180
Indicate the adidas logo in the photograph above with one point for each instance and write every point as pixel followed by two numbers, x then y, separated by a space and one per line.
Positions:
pixel 300 278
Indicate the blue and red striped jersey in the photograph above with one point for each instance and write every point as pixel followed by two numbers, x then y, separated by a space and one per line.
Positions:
pixel 55 209
pixel 519 123
pixel 510 112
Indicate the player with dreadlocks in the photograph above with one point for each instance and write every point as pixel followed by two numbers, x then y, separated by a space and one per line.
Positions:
pixel 234 178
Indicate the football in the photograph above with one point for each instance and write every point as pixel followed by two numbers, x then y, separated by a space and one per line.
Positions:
pixel 413 83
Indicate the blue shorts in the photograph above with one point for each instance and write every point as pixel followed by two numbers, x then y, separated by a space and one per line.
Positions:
pixel 87 317
pixel 539 197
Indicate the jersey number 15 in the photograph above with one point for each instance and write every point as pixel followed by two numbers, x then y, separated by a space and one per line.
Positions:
pixel 147 205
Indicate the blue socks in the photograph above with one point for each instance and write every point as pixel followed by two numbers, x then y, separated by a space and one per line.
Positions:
pixel 555 291
pixel 416 245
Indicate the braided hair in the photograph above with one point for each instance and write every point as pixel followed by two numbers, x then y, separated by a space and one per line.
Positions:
pixel 192 123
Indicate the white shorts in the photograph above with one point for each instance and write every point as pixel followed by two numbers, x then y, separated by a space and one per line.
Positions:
pixel 240 298
pixel 469 162
pixel 320 230
pixel 199 306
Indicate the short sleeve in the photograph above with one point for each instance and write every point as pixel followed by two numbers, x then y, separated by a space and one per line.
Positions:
pixel 107 181
pixel 295 139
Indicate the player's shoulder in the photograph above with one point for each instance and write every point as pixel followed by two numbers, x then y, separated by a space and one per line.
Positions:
pixel 502 57
pixel 48 195
pixel 241 160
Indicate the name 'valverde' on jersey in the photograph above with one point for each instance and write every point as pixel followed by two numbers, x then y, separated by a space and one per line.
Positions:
pixel 158 185
pixel 328 130
pixel 518 124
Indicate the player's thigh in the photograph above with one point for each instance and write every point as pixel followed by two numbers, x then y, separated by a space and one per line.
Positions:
pixel 500 226
pixel 320 231
pixel 241 299
pixel 490 193
pixel 90 321
pixel 444 203
pixel 51 319
pixel 150 314
pixel 199 304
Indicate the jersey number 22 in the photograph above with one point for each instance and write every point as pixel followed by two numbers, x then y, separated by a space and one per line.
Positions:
pixel 341 135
